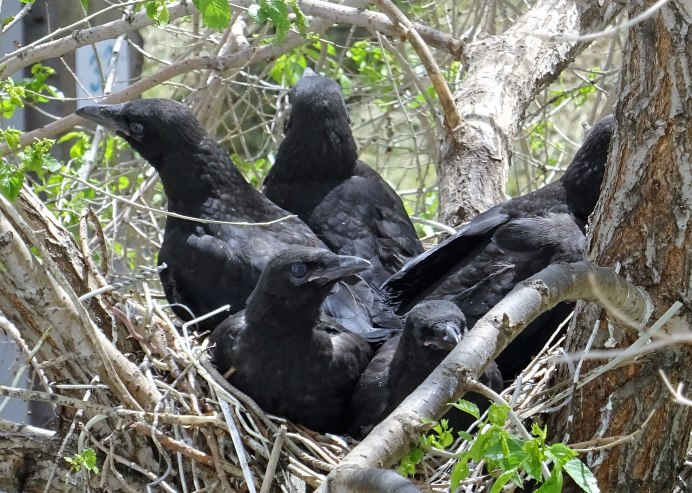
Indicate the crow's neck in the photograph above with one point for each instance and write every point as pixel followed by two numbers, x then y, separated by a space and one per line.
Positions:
pixel 268 312
pixel 414 358
pixel 582 184
pixel 323 152
pixel 207 184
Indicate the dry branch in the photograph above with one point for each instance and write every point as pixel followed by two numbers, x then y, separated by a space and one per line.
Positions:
pixel 406 29
pixel 392 438
pixel 38 297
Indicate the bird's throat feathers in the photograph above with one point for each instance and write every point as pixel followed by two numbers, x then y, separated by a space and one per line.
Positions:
pixel 209 173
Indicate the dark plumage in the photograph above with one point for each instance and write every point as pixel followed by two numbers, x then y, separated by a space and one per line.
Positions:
pixel 283 353
pixel 210 265
pixel 508 243
pixel 432 329
pixel 317 175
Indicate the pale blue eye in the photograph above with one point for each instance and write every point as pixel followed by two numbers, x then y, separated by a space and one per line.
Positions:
pixel 136 128
pixel 298 269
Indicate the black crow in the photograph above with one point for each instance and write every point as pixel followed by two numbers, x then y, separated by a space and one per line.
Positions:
pixel 317 175
pixel 508 243
pixel 283 353
pixel 211 264
pixel 431 330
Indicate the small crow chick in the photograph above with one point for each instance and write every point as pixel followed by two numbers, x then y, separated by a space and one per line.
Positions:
pixel 508 243
pixel 317 175
pixel 211 264
pixel 283 353
pixel 432 329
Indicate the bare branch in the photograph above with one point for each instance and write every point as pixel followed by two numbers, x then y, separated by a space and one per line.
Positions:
pixel 406 29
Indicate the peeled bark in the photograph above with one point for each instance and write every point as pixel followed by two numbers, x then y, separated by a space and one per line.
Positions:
pixel 644 222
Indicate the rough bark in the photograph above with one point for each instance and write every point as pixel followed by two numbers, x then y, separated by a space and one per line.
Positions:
pixel 392 438
pixel 644 222
pixel 40 300
pixel 504 73
pixel 28 459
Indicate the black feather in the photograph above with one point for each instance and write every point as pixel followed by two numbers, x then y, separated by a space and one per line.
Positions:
pixel 283 352
pixel 484 260
pixel 317 175
pixel 210 265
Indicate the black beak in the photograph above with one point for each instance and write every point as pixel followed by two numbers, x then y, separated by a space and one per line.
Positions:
pixel 342 267
pixel 447 337
pixel 107 115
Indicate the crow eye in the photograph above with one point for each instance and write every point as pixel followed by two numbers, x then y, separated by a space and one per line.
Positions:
pixel 298 269
pixel 136 128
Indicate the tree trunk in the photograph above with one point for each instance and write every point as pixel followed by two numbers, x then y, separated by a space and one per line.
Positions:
pixel 504 73
pixel 644 222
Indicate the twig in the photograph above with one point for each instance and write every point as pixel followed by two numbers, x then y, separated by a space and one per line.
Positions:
pixel 238 445
pixel 434 224
pixel 173 214
pixel 406 29
pixel 273 460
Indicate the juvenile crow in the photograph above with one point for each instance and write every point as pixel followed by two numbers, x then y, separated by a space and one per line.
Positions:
pixel 432 329
pixel 211 264
pixel 283 353
pixel 508 243
pixel 317 175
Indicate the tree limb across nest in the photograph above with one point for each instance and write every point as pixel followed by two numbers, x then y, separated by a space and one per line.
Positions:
pixel 393 437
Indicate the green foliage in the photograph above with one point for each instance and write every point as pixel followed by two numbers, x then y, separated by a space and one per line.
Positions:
pixel 509 458
pixel 289 67
pixel 577 96
pixel 215 13
pixel 254 171
pixel 33 158
pixel 14 95
pixel 68 205
pixel 371 61
pixel 85 459
pixel 440 437
pixel 158 11
pixel 277 11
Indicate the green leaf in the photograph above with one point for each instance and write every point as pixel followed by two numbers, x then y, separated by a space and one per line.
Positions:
pixel 300 20
pixel 89 457
pixel 465 435
pixel 497 414
pixel 215 13
pixel 11 180
pixel 582 476
pixel 407 467
pixel 554 483
pixel 277 12
pixel 12 136
pixel 468 407
pixel 508 452
pixel 560 453
pixel 460 472
pixel 7 20
pixel 85 4
pixel 158 10
pixel 503 479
